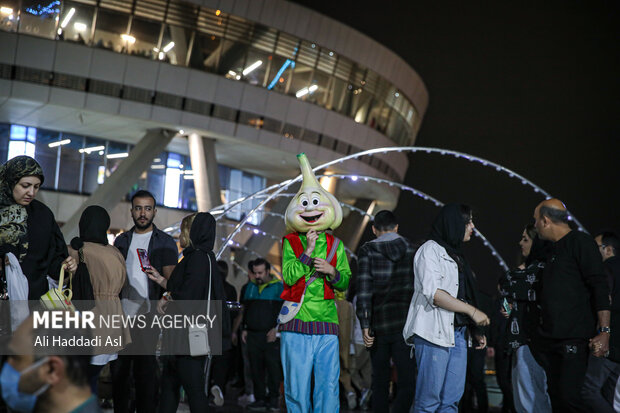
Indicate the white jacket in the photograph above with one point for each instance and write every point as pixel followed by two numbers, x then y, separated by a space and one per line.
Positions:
pixel 434 270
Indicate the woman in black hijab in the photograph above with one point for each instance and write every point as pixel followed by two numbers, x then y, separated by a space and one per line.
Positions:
pixel 100 276
pixel 190 282
pixel 28 228
pixel 443 311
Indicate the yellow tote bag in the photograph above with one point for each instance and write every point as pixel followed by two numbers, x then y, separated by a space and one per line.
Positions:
pixel 57 298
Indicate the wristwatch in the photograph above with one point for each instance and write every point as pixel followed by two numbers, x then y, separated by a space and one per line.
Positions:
pixel 604 330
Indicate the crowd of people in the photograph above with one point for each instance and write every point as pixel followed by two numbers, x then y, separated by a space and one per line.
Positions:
pixel 404 328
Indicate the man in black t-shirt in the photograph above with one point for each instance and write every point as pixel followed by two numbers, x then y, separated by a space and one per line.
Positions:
pixel 574 307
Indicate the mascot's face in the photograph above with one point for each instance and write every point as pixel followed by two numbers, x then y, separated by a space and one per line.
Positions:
pixel 312 207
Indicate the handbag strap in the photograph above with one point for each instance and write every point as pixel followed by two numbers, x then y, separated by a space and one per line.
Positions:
pixel 209 294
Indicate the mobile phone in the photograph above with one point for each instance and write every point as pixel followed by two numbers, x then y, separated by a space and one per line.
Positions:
pixel 506 306
pixel 143 256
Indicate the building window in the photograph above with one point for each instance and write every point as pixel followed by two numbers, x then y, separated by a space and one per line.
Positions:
pixel 22 141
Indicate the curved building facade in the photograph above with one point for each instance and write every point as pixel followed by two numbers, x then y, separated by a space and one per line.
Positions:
pixel 176 88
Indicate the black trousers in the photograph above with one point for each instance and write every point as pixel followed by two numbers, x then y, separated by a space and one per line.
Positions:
pixel 386 347
pixel 188 372
pixel 474 383
pixel 565 363
pixel 222 369
pixel 264 356
pixel 503 367
pixel 145 373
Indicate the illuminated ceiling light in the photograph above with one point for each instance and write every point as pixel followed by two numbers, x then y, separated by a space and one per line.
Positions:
pixel 59 143
pixel 232 73
pixel 68 17
pixel 91 149
pixel 161 56
pixel 101 152
pixel 128 38
pixel 168 47
pixel 238 77
pixel 301 92
pixel 354 178
pixel 397 94
pixel 218 12
pixel 331 53
pixel 188 176
pixel 155 49
pixel 158 166
pixel 252 67
pixel 117 155
pixel 6 10
pixel 59 31
pixel 181 132
pixel 79 27
pixel 313 88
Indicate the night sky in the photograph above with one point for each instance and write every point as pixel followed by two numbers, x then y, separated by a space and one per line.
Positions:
pixel 532 87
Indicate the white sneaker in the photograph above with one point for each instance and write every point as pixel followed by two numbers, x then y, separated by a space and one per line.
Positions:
pixel 351 400
pixel 218 396
pixel 246 399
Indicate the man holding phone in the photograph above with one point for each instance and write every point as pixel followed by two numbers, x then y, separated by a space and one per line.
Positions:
pixel 143 245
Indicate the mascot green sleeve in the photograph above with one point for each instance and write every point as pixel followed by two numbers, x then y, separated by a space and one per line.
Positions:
pixel 314 264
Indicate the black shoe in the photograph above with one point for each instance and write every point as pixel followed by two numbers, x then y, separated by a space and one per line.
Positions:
pixel 257 406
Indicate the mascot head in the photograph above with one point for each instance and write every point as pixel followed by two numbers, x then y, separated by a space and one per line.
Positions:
pixel 312 207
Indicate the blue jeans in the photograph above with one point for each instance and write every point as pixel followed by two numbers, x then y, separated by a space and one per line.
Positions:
pixel 301 353
pixel 441 374
pixel 529 383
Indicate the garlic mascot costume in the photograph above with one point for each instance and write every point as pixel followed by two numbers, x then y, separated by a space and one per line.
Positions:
pixel 314 263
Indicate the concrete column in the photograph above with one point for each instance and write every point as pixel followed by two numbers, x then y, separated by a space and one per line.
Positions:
pixel 206 176
pixel 353 226
pixel 119 183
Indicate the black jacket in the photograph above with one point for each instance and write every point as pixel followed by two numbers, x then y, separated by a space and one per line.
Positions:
pixel 190 278
pixel 162 252
pixel 46 249
pixel 612 268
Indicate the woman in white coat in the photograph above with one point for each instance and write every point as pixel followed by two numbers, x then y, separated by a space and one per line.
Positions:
pixel 442 310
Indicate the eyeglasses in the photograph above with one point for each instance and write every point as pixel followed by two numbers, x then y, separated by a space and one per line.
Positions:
pixel 141 208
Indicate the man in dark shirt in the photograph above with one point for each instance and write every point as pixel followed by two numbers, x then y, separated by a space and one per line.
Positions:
pixel 574 303
pixel 261 305
pixel 385 288
pixel 600 370
pixel 162 253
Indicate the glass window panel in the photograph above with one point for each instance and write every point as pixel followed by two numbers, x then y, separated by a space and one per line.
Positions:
pixel 272 125
pixel 117 152
pixel 108 30
pixel 374 113
pixel 76 22
pixel 343 68
pixel 238 29
pixel 279 73
pixel 212 21
pixel 308 53
pixel 223 112
pixel 94 164
pixel 233 59
pixel 181 13
pixel 38 17
pixel 300 82
pixel 8 17
pixel 4 140
pixel 156 176
pixel 188 192
pixel 175 44
pixel 146 35
pixel 70 164
pixel 205 52
pixel 338 96
pixel 327 61
pixel 255 69
pixel 287 46
pixel 264 38
pixel 360 105
pixel 46 155
pixel 322 83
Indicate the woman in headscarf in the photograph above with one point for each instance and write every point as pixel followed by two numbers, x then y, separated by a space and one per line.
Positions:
pixel 442 310
pixel 190 281
pixel 28 228
pixel 100 276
